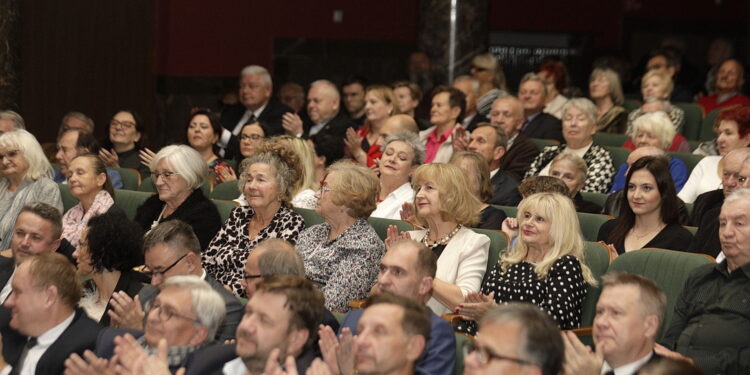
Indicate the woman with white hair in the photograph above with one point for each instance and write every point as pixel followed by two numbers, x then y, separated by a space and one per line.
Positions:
pixel 402 154
pixel 653 130
pixel 178 172
pixel 579 127
pixel 25 177
pixel 606 91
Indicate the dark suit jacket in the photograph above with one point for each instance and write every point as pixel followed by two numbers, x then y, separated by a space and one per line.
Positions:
pixel 7 266
pixel 129 283
pixel 79 336
pixel 234 308
pixel 544 126
pixel 505 190
pixel 271 115
pixel 336 126
pixel 478 118
pixel 519 157
pixel 705 203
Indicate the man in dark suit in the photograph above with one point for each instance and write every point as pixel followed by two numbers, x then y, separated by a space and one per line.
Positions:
pixel 630 311
pixel 172 249
pixel 256 104
pixel 40 322
pixel 507 113
pixel 533 93
pixel 324 115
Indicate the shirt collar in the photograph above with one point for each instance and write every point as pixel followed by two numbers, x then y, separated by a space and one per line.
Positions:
pixel 433 137
pixel 722 269
pixel 47 338
pixel 258 111
pixel 630 368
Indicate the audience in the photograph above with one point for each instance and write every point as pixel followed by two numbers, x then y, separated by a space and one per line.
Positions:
pixel 669 60
pixel 555 78
pixel 303 191
pixel 73 143
pixel 342 253
pixel 544 267
pixel 122 148
pixel 323 113
pixel 446 206
pixel 397 124
pixel 729 81
pixel 649 216
pixel 470 87
pixel 251 136
pixel 380 104
pixel 479 177
pixel 78 121
pixel 267 181
pixel 178 172
pixel 353 89
pixel 572 170
pixel 606 92
pixel 447 111
pixel 579 127
pixel 488 70
pixel 203 131
pixel 656 87
pixel 520 151
pixel 403 153
pixel 26 178
pixel 536 124
pixel 292 95
pixel 108 261
pixel 408 96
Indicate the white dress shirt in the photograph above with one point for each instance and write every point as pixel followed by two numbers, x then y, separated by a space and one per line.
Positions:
pixel 226 134
pixel 390 206
pixel 629 369
pixel 234 367
pixel 5 292
pixel 43 342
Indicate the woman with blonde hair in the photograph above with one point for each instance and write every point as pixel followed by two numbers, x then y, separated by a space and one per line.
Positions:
pixel 447 207
pixel 544 267
pixel 25 177
pixel 656 88
pixel 303 191
pixel 380 103
pixel 478 171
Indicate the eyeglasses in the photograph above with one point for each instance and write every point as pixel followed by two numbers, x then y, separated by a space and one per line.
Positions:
pixel 484 355
pixel 248 276
pixel 325 189
pixel 166 175
pixel 153 273
pixel 10 154
pixel 166 313
pixel 251 137
pixel 122 124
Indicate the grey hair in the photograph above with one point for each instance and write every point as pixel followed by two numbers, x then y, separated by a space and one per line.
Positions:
pixel 531 76
pixel 474 82
pixel 18 122
pixel 285 175
pixel 177 234
pixel 32 151
pixel 656 123
pixel 410 139
pixel 80 116
pixel 278 257
pixel 541 343
pixel 207 304
pixel 615 86
pixel 585 105
pixel 257 70
pixel 332 89
pixel 741 194
pixel 577 162
pixel 186 162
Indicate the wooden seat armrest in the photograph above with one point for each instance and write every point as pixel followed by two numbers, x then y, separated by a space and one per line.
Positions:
pixel 357 304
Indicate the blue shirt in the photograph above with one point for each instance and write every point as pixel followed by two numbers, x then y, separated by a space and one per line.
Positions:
pixel 677 168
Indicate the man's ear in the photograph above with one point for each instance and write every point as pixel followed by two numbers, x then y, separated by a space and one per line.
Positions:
pixel 415 347
pixel 425 286
pixel 652 326
pixel 297 341
pixel 498 152
pixel 200 336
pixel 51 295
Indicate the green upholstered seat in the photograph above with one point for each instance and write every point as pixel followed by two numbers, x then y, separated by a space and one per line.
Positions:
pixel 68 199
pixel 598 198
pixel 610 139
pixel 542 143
pixel 311 217
pixel 590 224
pixel 225 208
pixel 631 105
pixel 619 155
pixel 130 200
pixel 131 178
pixel 498 245
pixel 669 269
pixel 381 226
pixel 693 119
pixel 226 191
pixel 691 160
pixel 707 127
pixel 596 257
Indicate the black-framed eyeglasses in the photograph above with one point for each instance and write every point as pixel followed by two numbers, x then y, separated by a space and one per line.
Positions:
pixel 166 175
pixel 166 313
pixel 248 276
pixel 484 355
pixel 165 270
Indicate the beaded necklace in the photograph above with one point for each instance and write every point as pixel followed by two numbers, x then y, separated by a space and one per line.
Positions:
pixel 442 241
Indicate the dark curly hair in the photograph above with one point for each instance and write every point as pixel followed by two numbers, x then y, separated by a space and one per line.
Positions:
pixel 115 242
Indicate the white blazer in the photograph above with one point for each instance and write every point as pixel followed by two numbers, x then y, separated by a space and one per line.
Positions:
pixel 462 263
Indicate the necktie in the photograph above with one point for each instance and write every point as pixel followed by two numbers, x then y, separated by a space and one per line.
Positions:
pixel 26 348
pixel 252 119
pixel 610 372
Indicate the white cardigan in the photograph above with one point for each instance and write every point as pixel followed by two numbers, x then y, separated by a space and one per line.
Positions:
pixel 462 263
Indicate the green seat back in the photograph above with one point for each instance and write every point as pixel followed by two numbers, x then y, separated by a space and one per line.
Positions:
pixel 707 128
pixel 130 200
pixel 693 119
pixel 669 269
pixel 542 143
pixel 689 208
pixel 68 199
pixel 226 191
pixel 692 230
pixel 498 245
pixel 691 160
pixel 610 139
pixel 619 155
pixel 458 366
pixel 598 198
pixel 131 178
pixel 510 211
pixel 311 217
pixel 596 259
pixel 147 185
pixel 225 208
pixel 631 105
pixel 590 224
pixel 381 226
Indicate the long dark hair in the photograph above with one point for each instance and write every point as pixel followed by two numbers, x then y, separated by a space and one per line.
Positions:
pixel 658 166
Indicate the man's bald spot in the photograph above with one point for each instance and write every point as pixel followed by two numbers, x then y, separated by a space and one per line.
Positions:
pixel 328 87
pixel 514 102
pixel 400 123
pixel 644 151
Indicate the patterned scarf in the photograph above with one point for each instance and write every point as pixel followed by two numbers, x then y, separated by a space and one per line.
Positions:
pixel 75 220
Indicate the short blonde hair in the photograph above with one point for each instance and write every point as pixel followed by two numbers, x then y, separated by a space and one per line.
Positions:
pixel 657 124
pixel 457 202
pixel 664 77
pixel 615 86
pixel 565 233
pixel 306 155
pixel 30 149
pixel 357 188
pixel 185 161
pixel 385 94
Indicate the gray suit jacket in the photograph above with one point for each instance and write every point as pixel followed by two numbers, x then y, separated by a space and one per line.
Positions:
pixel 228 328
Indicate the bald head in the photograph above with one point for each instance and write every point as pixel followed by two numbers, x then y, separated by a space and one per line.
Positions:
pixel 644 151
pixel 323 101
pixel 396 124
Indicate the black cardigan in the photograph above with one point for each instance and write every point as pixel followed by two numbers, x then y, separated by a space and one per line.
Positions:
pixel 197 211
pixel 672 237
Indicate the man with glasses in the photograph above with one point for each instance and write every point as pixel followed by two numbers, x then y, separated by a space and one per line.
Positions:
pixel 172 249
pixel 516 338
pixel 185 316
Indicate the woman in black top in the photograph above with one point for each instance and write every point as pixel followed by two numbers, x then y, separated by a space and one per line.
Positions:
pixel 649 217
pixel 479 175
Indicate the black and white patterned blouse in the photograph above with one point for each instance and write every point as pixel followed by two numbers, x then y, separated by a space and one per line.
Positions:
pixel 597 158
pixel 560 294
pixel 347 266
pixel 225 257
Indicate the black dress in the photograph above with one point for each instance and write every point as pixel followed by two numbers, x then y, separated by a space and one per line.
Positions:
pixel 491 218
pixel 560 294
pixel 672 237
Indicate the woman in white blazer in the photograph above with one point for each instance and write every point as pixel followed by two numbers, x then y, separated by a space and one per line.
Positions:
pixel 445 205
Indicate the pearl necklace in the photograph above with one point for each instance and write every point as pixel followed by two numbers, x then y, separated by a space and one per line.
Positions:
pixel 442 241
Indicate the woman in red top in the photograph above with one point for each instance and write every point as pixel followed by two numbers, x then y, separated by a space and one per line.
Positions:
pixel 380 104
